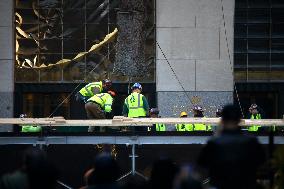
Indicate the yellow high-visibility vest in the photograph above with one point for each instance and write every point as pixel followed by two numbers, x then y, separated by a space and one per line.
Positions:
pixel 134 103
pixel 254 128
pixel 105 100
pixel 184 127
pixel 160 127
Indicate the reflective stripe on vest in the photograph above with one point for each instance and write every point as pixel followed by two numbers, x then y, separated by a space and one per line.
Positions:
pixel 135 106
pixel 88 89
pixel 98 99
pixel 104 100
pixel 254 128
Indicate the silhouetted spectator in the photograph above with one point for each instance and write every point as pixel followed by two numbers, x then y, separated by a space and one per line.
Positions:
pixel 188 178
pixel 232 158
pixel 36 172
pixel 190 183
pixel 163 174
pixel 105 173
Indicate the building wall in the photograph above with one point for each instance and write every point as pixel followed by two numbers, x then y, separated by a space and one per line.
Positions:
pixel 6 61
pixel 192 36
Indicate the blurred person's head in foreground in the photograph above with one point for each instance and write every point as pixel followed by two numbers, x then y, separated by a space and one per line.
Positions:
pixel 40 171
pixel 231 117
pixel 190 183
pixel 106 170
pixel 188 178
pixel 163 174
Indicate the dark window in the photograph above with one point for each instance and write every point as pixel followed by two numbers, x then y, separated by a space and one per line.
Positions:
pixel 43 104
pixel 259 40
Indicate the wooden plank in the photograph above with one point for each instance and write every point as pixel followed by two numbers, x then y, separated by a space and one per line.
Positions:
pixel 124 121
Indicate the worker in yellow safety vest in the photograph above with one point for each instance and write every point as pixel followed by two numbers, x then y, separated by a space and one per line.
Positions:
pixel 98 106
pixel 184 126
pixel 29 128
pixel 254 114
pixel 92 89
pixel 154 113
pixel 198 112
pixel 136 105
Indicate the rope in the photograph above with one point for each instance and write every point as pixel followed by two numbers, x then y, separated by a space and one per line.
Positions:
pixel 206 181
pixel 174 73
pixel 129 81
pixel 63 184
pixel 58 106
pixel 229 55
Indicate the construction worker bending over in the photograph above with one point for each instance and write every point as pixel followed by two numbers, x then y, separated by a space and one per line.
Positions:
pixel 136 105
pixel 198 112
pixel 99 105
pixel 93 88
pixel 254 114
pixel 184 126
pixel 154 113
pixel 29 128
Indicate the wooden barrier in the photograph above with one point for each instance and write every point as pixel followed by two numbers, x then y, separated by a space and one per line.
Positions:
pixel 125 121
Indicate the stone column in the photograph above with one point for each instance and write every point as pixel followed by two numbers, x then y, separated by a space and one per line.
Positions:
pixel 191 35
pixel 6 62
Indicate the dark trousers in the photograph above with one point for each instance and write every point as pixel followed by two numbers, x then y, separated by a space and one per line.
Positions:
pixel 94 111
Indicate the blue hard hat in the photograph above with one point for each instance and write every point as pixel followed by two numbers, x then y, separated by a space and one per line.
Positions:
pixel 137 86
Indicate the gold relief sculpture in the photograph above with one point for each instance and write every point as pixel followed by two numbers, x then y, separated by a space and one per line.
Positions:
pixel 96 47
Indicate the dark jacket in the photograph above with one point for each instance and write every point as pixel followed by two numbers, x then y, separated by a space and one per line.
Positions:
pixel 232 160
pixel 16 180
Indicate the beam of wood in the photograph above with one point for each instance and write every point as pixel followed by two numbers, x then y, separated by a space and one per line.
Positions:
pixel 124 121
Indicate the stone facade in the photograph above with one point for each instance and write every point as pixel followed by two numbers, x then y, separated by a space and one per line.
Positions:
pixel 6 61
pixel 192 36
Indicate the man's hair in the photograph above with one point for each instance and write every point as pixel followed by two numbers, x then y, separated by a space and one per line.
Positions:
pixel 231 113
pixel 106 169
pixel 40 171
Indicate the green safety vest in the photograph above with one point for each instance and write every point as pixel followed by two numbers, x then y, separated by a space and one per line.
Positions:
pixel 201 127
pixel 104 100
pixel 160 127
pixel 254 128
pixel 88 89
pixel 184 127
pixel 134 102
pixel 193 127
pixel 30 129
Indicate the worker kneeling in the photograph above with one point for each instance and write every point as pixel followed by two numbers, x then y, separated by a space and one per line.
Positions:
pixel 99 105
